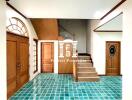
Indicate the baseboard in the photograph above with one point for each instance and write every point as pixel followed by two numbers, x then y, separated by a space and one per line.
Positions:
pixel 108 75
pixel 102 75
pixel 83 54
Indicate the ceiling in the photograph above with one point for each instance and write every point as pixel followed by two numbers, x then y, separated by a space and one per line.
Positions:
pixel 70 9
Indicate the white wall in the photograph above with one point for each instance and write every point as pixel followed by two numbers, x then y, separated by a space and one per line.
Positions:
pixel 2 51
pixel 126 46
pixel 127 51
pixel 77 27
pixel 114 24
pixel 98 45
pixel 32 34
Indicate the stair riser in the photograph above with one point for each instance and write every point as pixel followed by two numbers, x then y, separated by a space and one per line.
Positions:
pixel 85 65
pixel 88 79
pixel 87 74
pixel 84 61
pixel 84 57
pixel 86 69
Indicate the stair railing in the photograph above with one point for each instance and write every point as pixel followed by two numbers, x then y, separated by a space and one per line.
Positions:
pixel 75 70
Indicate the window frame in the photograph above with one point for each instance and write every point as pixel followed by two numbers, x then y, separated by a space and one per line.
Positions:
pixel 36 41
pixel 19 28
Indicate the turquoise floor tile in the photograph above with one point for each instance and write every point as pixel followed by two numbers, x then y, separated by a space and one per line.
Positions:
pixel 63 87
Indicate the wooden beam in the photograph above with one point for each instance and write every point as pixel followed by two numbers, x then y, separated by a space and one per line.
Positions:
pixel 108 31
pixel 16 10
pixel 116 6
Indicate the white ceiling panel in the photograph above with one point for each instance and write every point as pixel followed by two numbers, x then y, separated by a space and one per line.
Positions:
pixel 77 9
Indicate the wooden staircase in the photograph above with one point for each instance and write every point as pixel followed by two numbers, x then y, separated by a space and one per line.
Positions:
pixel 85 69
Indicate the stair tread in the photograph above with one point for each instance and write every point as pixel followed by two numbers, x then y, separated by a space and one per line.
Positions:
pixel 85 67
pixel 84 62
pixel 89 77
pixel 86 72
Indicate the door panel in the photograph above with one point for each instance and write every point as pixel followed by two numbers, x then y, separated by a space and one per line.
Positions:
pixel 47 57
pixel 24 62
pixel 112 58
pixel 11 66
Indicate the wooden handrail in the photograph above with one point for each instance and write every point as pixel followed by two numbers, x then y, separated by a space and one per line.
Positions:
pixel 75 70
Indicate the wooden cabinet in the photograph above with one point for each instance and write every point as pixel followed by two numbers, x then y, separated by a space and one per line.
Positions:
pixel 46 29
pixel 65 62
pixel 17 62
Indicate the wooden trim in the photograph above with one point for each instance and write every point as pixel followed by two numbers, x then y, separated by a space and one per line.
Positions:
pixel 106 75
pixel 7 3
pixel 115 7
pixel 95 30
pixel 41 56
pixel 108 31
pixel 17 34
pixel 102 75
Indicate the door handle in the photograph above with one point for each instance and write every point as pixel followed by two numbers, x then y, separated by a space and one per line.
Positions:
pixel 19 65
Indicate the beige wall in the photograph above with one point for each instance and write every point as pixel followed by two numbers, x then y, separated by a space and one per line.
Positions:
pixel 32 34
pixel 2 51
pixel 77 27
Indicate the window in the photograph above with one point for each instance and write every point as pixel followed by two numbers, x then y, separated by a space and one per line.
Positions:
pixel 35 64
pixel 16 26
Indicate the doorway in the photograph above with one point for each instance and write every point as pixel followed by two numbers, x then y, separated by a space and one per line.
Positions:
pixel 113 58
pixel 47 57
pixel 17 62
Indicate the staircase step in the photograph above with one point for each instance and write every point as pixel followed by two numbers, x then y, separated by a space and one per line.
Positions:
pixel 84 61
pixel 85 57
pixel 85 65
pixel 90 79
pixel 87 74
pixel 86 69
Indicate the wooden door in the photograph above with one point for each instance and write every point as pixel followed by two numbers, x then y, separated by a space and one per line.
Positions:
pixel 11 64
pixel 47 57
pixel 24 61
pixel 17 62
pixel 112 58
pixel 66 64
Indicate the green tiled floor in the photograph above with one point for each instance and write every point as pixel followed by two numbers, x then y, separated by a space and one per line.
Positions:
pixel 63 87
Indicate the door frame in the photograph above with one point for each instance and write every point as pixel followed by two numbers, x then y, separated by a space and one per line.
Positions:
pixel 41 55
pixel 119 42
